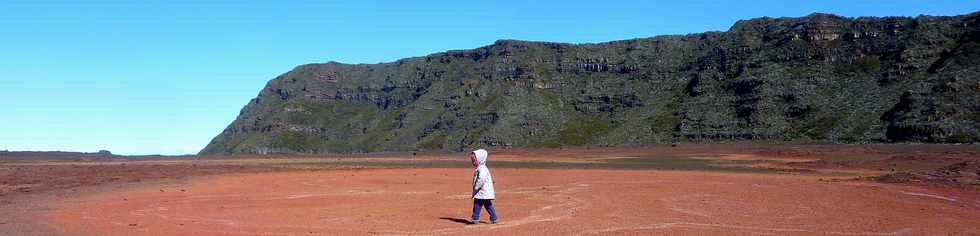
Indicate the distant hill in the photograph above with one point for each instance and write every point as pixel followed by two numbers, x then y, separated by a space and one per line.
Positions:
pixel 819 77
pixel 10 155
pixel 63 155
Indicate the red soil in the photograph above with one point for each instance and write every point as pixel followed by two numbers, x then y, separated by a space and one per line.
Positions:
pixel 530 201
pixel 930 190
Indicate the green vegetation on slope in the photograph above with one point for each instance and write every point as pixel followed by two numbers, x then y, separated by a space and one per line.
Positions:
pixel 815 78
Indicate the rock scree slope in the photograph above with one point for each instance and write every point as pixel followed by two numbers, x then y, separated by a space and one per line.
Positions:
pixel 819 77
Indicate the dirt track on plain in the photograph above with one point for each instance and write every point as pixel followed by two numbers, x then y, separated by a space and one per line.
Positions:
pixel 696 189
pixel 530 201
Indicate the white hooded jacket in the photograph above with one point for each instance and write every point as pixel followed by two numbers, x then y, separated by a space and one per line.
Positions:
pixel 482 182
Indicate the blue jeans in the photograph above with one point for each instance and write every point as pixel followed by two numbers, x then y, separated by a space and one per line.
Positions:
pixel 481 203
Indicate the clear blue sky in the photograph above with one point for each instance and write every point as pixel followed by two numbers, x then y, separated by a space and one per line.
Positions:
pixel 164 77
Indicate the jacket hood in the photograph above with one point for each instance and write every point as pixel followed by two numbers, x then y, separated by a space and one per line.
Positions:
pixel 481 156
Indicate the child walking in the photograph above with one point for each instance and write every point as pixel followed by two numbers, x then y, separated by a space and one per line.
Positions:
pixel 482 187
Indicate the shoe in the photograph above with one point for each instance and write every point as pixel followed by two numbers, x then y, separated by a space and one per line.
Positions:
pixel 492 222
pixel 472 222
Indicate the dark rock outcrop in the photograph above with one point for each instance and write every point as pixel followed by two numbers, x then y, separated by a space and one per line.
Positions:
pixel 818 77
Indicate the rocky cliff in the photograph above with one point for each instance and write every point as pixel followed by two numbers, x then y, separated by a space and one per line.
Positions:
pixel 818 77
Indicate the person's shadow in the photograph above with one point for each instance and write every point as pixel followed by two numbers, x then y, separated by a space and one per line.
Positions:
pixel 457 220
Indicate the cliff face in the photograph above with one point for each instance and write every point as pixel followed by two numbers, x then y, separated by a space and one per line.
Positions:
pixel 819 77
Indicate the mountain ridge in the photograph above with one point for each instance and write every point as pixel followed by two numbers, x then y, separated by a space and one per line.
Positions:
pixel 818 77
